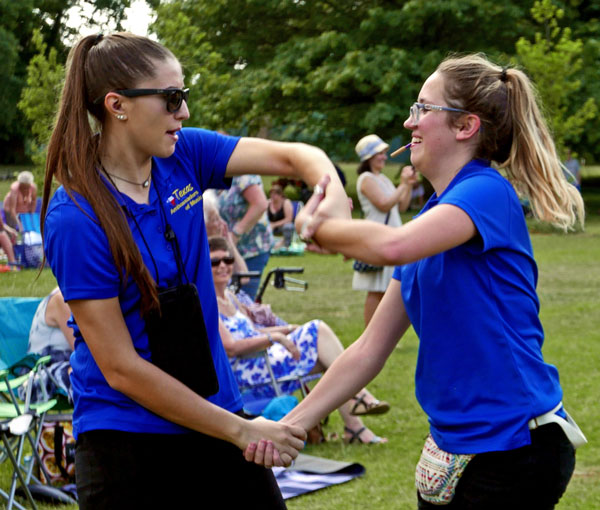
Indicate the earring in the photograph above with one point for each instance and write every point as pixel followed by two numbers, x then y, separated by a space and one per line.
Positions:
pixel 120 116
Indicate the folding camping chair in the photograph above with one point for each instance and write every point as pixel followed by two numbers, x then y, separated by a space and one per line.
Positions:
pixel 20 420
pixel 280 280
pixel 253 405
pixel 30 252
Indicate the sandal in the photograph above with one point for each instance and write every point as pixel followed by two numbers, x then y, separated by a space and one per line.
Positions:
pixel 361 407
pixel 355 436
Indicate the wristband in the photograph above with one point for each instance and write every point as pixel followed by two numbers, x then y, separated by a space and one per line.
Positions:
pixel 235 232
pixel 270 338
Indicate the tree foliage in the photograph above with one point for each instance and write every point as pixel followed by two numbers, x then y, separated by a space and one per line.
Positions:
pixel 554 62
pixel 18 20
pixel 45 75
pixel 327 72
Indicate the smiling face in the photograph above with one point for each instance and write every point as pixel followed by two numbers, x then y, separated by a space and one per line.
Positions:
pixel 432 138
pixel 151 129
pixel 377 162
pixel 221 272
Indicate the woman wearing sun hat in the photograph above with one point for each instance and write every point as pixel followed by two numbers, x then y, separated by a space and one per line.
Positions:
pixel 380 201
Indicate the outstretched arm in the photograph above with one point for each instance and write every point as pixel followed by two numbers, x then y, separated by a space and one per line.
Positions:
pixel 441 228
pixel 296 160
pixel 105 332
pixel 355 367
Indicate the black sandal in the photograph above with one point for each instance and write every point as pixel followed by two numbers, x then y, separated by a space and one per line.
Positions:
pixel 355 436
pixel 375 407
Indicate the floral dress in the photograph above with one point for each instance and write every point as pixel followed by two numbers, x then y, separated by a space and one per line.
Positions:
pixel 233 207
pixel 252 371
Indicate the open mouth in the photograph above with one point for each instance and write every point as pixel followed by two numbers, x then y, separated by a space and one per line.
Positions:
pixel 416 140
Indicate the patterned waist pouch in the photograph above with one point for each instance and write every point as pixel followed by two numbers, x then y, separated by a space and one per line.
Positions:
pixel 438 473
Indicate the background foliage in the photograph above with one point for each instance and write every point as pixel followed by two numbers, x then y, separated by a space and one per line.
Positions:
pixel 326 71
pixel 18 21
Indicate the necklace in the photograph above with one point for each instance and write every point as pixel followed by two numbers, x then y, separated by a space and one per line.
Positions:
pixel 144 184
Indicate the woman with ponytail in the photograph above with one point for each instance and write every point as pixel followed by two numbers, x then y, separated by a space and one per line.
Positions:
pixel 499 435
pixel 125 237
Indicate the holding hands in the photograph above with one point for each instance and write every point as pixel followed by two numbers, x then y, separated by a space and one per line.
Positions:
pixel 271 443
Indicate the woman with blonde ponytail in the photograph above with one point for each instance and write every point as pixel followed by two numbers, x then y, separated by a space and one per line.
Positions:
pixel 499 434
pixel 125 238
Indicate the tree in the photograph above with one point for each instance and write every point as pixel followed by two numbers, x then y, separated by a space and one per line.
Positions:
pixel 40 98
pixel 324 71
pixel 18 19
pixel 554 62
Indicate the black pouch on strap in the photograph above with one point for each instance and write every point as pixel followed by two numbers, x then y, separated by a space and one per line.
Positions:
pixel 178 339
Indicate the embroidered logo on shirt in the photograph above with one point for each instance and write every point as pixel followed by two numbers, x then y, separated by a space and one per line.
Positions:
pixel 185 198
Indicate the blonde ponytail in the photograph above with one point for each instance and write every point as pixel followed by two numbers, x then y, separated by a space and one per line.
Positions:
pixel 514 134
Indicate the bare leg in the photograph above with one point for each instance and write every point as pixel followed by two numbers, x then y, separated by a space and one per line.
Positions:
pixel 371 302
pixel 329 348
pixel 6 245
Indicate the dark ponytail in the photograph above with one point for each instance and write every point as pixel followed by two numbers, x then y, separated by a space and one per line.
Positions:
pixel 95 66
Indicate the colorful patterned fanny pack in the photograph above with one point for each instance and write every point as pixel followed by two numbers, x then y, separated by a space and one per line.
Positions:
pixel 438 472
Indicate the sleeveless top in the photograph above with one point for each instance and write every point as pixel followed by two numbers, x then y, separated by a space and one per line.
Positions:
pixel 275 216
pixel 41 335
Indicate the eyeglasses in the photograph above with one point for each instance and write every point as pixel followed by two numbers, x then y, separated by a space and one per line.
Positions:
pixel 415 110
pixel 173 97
pixel 228 260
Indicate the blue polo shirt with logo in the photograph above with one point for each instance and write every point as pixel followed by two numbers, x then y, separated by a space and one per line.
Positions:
pixel 80 258
pixel 480 373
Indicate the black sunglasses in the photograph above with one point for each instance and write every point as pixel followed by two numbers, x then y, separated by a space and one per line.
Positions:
pixel 227 260
pixel 173 97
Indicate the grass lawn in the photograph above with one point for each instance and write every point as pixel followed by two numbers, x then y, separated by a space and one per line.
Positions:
pixel 569 279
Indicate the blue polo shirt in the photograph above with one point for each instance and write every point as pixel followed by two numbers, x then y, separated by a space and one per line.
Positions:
pixel 480 374
pixel 78 252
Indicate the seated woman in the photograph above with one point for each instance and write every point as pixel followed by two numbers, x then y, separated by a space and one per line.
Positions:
pixel 8 236
pixel 292 350
pixel 281 216
pixel 50 336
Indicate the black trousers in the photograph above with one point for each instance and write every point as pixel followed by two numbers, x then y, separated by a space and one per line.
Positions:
pixel 122 470
pixel 533 477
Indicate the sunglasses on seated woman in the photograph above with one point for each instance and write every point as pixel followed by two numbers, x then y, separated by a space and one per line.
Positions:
pixel 173 97
pixel 215 262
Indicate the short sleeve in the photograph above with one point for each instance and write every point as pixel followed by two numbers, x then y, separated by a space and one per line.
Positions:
pixel 78 252
pixel 208 153
pixel 489 200
pixel 245 181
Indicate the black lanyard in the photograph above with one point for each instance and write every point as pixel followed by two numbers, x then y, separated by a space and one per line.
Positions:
pixel 169 234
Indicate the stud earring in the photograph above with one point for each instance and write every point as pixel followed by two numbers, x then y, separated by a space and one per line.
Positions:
pixel 120 116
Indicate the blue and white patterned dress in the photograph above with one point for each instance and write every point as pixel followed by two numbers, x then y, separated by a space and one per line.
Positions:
pixel 249 371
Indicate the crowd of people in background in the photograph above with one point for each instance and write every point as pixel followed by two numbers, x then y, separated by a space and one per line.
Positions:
pixel 131 186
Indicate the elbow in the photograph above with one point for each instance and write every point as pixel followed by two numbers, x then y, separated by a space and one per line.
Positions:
pixel 120 377
pixel 262 204
pixel 391 253
pixel 231 351
pixel 117 380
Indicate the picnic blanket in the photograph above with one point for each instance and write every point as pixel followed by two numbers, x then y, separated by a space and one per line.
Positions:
pixel 310 473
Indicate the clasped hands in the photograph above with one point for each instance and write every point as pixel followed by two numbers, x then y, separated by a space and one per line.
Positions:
pixel 319 208
pixel 272 444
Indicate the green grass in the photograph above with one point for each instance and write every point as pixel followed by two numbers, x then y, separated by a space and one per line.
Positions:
pixel 569 279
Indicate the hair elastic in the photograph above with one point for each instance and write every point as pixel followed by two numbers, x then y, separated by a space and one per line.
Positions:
pixel 98 39
pixel 503 75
